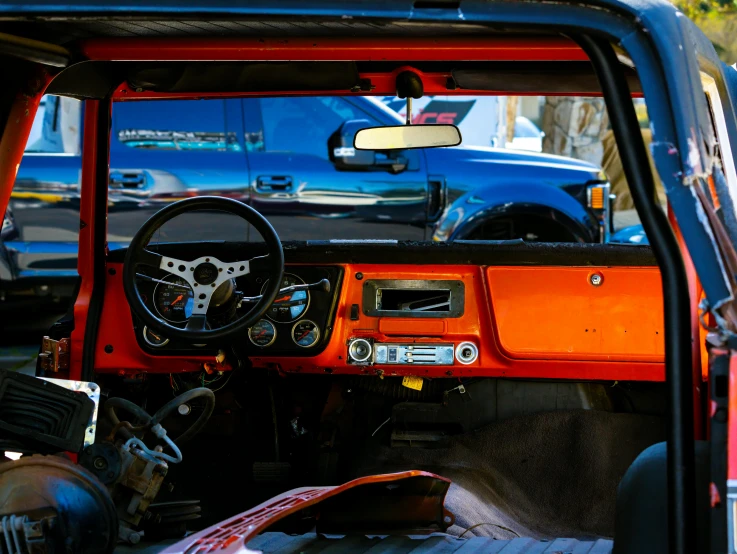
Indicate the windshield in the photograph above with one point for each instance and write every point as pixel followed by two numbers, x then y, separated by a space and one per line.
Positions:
pixel 292 158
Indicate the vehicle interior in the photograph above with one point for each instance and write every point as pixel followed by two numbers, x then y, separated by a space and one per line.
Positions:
pixel 481 395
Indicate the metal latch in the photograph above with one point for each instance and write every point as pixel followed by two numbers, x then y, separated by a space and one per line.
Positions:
pixel 54 355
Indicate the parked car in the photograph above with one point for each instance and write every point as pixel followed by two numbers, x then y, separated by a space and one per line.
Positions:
pixel 292 158
pixel 527 136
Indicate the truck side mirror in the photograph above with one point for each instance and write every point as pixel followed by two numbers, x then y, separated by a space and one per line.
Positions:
pixel 341 151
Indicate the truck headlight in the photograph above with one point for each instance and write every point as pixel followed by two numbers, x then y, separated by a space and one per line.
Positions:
pixel 597 199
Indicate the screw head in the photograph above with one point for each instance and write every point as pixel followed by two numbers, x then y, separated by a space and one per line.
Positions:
pixel 596 279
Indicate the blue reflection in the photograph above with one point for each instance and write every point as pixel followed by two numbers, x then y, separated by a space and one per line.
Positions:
pixel 296 311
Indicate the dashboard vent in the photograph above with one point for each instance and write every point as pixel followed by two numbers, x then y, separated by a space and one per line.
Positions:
pixel 413 298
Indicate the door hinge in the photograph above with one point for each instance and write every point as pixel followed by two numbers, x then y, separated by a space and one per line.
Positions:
pixel 54 356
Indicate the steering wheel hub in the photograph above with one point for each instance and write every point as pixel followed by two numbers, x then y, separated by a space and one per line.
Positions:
pixel 205 273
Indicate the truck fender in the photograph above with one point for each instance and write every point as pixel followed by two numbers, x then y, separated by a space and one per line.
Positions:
pixel 474 208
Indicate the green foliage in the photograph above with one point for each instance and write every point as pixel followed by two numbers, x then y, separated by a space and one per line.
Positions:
pixel 718 20
pixel 698 8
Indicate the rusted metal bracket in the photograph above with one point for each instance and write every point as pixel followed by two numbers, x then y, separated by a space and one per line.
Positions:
pixel 54 356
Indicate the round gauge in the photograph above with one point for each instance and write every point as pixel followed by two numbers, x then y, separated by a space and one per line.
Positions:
pixel 263 333
pixel 174 299
pixel 154 338
pixel 288 307
pixel 305 333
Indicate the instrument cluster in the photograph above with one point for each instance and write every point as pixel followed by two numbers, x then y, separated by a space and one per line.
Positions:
pixel 297 323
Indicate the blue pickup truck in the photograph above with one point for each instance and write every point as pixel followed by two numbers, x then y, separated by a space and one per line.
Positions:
pixel 292 159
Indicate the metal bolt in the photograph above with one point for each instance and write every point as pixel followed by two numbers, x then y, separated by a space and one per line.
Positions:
pixel 184 409
pixel 447 519
pixel 596 279
pixel 100 463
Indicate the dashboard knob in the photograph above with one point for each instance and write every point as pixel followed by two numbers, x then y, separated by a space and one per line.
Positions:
pixel 466 353
pixel 359 351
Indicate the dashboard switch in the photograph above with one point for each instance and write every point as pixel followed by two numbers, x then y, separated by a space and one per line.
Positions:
pixel 354 312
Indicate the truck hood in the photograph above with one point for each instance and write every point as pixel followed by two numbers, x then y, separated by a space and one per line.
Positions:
pixel 441 158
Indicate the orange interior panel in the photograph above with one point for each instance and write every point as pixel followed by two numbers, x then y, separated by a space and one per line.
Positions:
pixel 401 326
pixel 524 320
pixel 557 313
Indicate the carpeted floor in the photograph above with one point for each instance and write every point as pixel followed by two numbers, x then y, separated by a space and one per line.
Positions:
pixel 543 476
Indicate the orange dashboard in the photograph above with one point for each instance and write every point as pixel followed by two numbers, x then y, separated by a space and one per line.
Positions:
pixel 551 322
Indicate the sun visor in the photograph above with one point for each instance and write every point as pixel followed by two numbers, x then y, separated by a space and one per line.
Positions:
pixel 574 78
pixel 243 77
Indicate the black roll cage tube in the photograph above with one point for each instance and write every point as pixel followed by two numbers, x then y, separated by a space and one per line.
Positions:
pixel 677 311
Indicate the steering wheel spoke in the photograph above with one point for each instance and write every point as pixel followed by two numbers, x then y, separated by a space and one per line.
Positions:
pixel 180 268
pixel 235 269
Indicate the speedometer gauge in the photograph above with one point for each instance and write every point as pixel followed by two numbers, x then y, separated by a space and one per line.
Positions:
pixel 288 307
pixel 174 299
pixel 263 333
pixel 305 333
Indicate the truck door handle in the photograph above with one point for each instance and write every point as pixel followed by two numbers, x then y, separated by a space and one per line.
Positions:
pixel 274 183
pixel 437 197
pixel 127 179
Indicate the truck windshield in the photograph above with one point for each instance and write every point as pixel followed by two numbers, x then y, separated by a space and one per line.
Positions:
pixel 292 158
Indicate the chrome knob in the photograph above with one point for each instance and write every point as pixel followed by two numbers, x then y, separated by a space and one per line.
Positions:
pixel 359 350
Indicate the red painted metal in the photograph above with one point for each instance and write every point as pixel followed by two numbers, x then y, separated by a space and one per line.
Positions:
pixel 86 258
pixel 15 134
pixel 116 330
pixel 334 49
pixel 382 84
pixel 548 313
pixel 477 324
pixel 232 535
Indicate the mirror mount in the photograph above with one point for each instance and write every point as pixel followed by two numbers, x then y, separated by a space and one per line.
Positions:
pixel 409 86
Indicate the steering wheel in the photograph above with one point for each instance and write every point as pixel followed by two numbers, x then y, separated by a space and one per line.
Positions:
pixel 205 274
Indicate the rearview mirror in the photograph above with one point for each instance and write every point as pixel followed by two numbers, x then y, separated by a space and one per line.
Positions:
pixel 402 137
